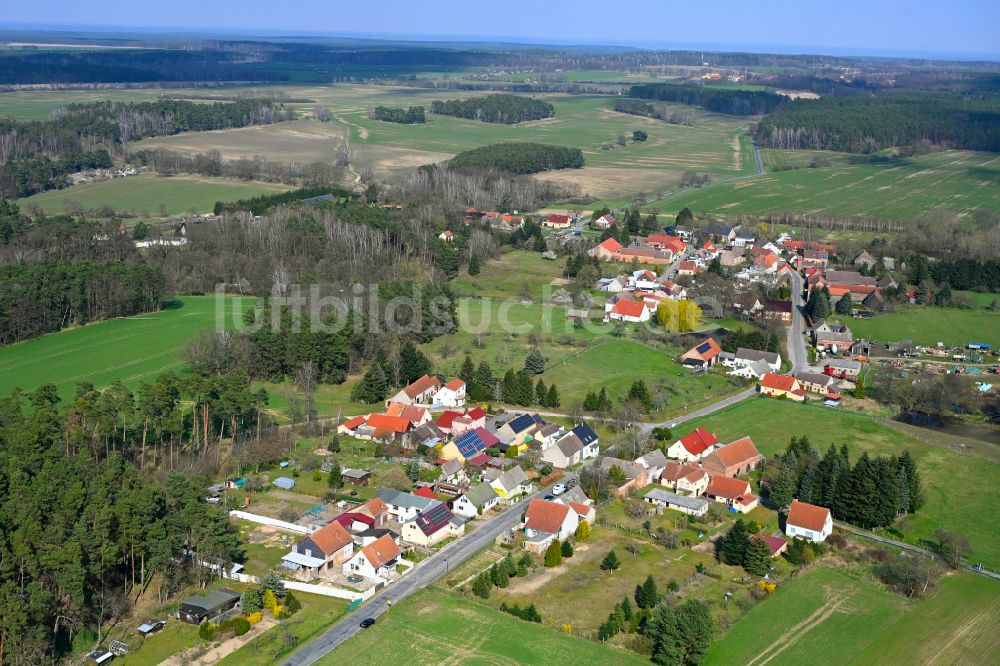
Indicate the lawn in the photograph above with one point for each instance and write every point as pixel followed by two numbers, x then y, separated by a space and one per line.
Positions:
pixel 146 193
pixel 580 594
pixel 132 349
pixel 513 274
pixel 317 614
pixel 929 325
pixel 435 627
pixel 176 636
pixel 954 470
pixel 825 617
pixel 958 181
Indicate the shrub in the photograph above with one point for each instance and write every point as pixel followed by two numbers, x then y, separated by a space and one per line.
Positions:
pixel 270 602
pixel 255 617
pixel 553 554
pixel 240 626
pixel 207 631
pixel 280 613
pixel 292 604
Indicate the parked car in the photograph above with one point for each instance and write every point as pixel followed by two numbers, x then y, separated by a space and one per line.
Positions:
pixel 558 489
pixel 367 622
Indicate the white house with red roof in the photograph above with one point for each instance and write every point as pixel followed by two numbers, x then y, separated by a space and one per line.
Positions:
pixel 447 235
pixel 734 493
pixel 809 522
pixel 604 221
pixel 777 386
pixel 555 518
pixel 693 446
pixel 556 221
pixel 451 394
pixel 627 310
pixel 376 560
pixel 420 392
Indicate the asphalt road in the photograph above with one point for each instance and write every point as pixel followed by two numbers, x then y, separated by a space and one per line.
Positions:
pixel 796 342
pixel 423 575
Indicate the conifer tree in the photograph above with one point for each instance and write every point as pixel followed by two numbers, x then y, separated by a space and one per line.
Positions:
pixel 757 559
pixel 734 544
pixel 473 264
pixel 611 561
pixel 535 362
pixel 468 371
pixel 553 397
pixel 541 393
pixel 553 554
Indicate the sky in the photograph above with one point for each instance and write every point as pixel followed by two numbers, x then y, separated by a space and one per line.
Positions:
pixel 878 27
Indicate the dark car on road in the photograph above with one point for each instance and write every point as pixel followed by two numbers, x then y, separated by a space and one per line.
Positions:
pixel 367 622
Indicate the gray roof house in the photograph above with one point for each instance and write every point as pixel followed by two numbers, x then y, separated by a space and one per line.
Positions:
pixel 694 506
pixel 478 499
pixel 511 483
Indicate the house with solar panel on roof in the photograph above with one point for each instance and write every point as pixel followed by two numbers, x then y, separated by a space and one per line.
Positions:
pixel 468 445
pixel 432 526
pixel 703 355
pixel 574 447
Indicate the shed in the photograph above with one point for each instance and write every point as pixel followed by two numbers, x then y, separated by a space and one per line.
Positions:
pixel 99 657
pixel 151 627
pixel 201 607
pixel 357 477
pixel 284 483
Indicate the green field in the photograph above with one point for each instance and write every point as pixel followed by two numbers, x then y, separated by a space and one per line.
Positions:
pixel 435 627
pixel 715 144
pixel 145 193
pixel 825 617
pixel 954 470
pixel 956 181
pixel 930 325
pixel 131 348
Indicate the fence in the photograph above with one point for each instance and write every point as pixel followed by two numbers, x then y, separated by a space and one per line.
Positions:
pixel 273 522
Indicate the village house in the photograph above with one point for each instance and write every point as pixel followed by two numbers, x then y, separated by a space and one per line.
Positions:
pixel 627 310
pixel 745 356
pixel 733 459
pixel 376 560
pixel 469 444
pixel 654 462
pixel 420 392
pixel 703 355
pixel 693 506
pixel 732 256
pixel 450 395
pixel 747 303
pixel 476 501
pixel 777 311
pixel 555 221
pixel 583 511
pixel 864 259
pixel 842 368
pixel 752 370
pixel 380 427
pixel 549 517
pixel 684 477
pixel 512 483
pixel 672 244
pixel 693 446
pixel 415 415
pixel 831 336
pixel 356 477
pixel 689 268
pixel 734 493
pixel 447 235
pixel 635 474
pixel 453 472
pixel 781 386
pixel 520 430
pixel 814 382
pixel 432 526
pixel 604 221
pixel 723 232
pixel 644 279
pixel 744 241
pixel 574 447
pixel 808 521
pixel 454 423
pixel 403 507
pixel 325 549
pixel 815 259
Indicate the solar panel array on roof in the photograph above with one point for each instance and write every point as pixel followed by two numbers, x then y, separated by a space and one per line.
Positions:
pixel 469 444
pixel 703 347
pixel 585 433
pixel 433 519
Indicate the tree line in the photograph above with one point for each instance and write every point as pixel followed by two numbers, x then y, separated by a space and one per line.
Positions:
pixel 84 538
pixel 170 162
pixel 77 133
pixel 46 296
pixel 502 108
pixel 409 116
pixel 872 493
pixel 872 123
pixel 720 100
pixel 519 158
pixel 672 115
